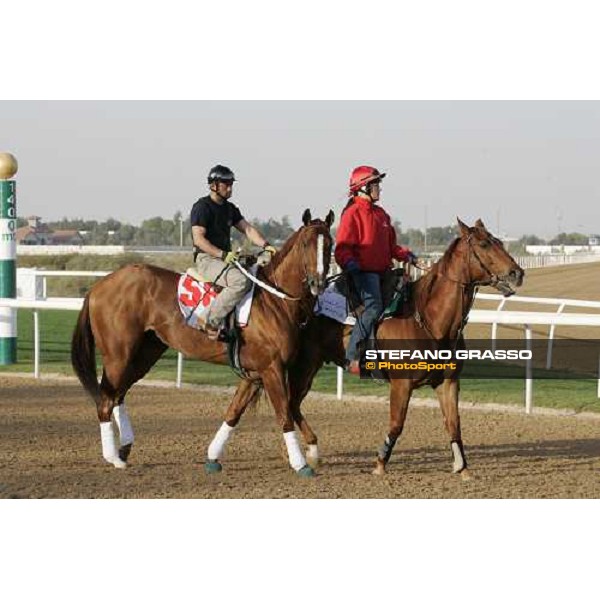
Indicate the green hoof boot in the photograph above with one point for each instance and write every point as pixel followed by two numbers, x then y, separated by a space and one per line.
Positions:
pixel 306 471
pixel 212 466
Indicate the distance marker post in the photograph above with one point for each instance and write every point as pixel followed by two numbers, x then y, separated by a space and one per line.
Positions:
pixel 8 253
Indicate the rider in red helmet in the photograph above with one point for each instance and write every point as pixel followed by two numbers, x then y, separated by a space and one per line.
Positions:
pixel 365 247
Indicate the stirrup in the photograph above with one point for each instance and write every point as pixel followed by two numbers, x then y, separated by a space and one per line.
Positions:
pixel 211 332
pixel 216 335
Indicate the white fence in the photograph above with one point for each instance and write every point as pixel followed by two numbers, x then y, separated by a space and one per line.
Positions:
pixel 492 317
pixel 560 303
pixel 526 319
pixel 33 283
pixel 554 260
pixel 542 260
pixel 50 250
pixel 36 305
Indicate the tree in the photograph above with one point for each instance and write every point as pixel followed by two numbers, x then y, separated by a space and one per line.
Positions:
pixel 570 239
pixel 531 240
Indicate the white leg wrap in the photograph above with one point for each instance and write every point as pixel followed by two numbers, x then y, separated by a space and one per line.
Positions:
pixel 124 424
pixel 109 446
pixel 294 453
pixel 217 446
pixel 313 451
pixel 459 463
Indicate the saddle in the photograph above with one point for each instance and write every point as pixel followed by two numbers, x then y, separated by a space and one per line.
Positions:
pixel 195 296
pixel 396 293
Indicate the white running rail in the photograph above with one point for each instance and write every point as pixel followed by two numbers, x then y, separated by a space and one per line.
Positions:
pixel 526 319
pixel 560 303
pixel 493 317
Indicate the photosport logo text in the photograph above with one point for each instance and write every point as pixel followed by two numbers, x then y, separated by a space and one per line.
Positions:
pixel 482 358
pixel 434 360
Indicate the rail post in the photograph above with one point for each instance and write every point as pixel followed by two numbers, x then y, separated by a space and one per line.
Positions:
pixel 36 343
pixel 8 252
pixel 340 383
pixel 495 325
pixel 528 374
pixel 179 370
pixel 598 391
pixel 551 338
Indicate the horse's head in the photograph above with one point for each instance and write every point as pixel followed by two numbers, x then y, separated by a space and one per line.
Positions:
pixel 488 261
pixel 315 239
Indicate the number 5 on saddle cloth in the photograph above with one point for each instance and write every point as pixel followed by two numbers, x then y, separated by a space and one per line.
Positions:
pixel 195 297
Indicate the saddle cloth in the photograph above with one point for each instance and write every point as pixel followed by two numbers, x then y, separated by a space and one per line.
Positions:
pixel 195 297
pixel 333 305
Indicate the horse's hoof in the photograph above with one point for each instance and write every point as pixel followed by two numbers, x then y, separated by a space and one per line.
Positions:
pixel 115 461
pixel 124 452
pixel 465 475
pixel 379 469
pixel 314 462
pixel 306 471
pixel 212 466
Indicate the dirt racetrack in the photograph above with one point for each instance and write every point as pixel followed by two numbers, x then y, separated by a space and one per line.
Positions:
pixel 50 448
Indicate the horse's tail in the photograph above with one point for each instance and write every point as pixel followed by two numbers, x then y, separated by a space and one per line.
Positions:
pixel 83 352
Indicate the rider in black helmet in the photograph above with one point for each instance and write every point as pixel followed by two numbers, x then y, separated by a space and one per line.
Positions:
pixel 212 218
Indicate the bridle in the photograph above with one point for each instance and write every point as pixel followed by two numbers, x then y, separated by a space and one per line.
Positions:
pixel 493 279
pixel 468 286
pixel 309 279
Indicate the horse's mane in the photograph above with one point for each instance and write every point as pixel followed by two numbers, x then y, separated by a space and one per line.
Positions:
pixel 279 256
pixel 425 284
pixel 288 246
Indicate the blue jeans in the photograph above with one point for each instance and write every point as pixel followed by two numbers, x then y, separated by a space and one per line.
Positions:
pixel 368 286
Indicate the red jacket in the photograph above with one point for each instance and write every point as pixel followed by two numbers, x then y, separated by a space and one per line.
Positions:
pixel 366 235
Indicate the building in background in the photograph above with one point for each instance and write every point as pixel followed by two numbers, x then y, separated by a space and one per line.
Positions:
pixel 36 233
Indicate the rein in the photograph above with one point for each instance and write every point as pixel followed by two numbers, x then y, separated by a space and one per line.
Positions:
pixel 262 284
pixel 493 279
pixel 273 290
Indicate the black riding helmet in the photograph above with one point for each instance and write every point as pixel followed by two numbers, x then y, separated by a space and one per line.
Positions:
pixel 221 173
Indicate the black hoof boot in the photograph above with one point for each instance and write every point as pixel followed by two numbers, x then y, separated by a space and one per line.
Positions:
pixel 124 452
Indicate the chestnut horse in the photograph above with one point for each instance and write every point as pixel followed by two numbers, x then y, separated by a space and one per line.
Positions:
pixel 440 304
pixel 132 317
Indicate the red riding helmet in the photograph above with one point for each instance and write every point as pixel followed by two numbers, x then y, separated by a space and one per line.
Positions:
pixel 362 176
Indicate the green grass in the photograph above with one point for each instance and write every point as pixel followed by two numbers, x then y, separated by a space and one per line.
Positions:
pixel 574 394
pixel 56 328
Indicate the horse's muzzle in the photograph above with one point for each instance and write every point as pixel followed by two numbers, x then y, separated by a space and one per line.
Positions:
pixel 505 283
pixel 515 277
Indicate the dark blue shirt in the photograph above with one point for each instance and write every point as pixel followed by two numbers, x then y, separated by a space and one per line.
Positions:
pixel 217 219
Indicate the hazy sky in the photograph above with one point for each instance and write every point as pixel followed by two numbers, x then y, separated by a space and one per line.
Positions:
pixel 533 165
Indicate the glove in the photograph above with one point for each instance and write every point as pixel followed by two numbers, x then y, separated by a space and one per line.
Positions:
pixel 264 258
pixel 352 266
pixel 229 257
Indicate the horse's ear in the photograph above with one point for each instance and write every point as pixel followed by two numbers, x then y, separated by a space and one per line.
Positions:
pixel 479 223
pixel 306 218
pixel 330 218
pixel 464 229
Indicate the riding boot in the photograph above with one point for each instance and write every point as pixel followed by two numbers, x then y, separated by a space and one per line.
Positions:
pixel 352 367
